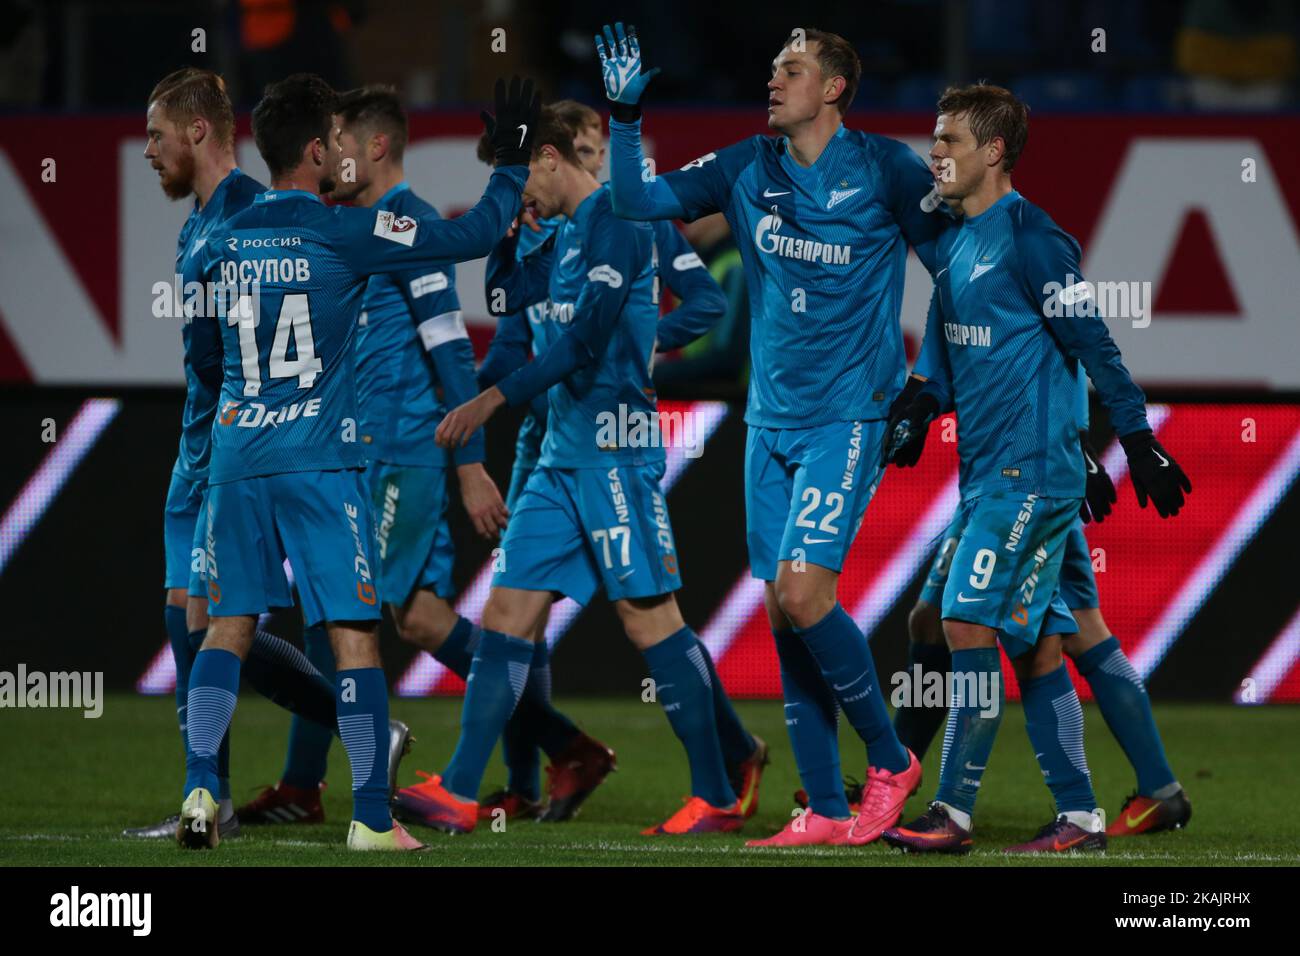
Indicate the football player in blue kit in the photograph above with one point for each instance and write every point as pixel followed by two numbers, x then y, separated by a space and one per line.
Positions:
pixel 286 460
pixel 579 763
pixel 1011 321
pixel 413 360
pixel 1159 803
pixel 191 129
pixel 591 514
pixel 823 216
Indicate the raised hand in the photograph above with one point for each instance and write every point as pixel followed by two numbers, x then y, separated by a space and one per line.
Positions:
pixel 620 65
pixel 513 123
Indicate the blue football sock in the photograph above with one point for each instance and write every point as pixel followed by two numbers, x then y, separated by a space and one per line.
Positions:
pixel 812 720
pixel 179 638
pixel 496 681
pixel 737 743
pixel 214 687
pixel 283 675
pixel 1127 709
pixel 916 726
pixel 222 792
pixel 972 725
pixel 535 723
pixel 1054 722
pixel 457 651
pixel 682 681
pixel 844 656
pixel 362 705
pixel 309 742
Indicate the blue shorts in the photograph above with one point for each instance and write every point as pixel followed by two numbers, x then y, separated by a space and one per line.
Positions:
pixel 413 543
pixel 806 490
pixel 1078 583
pixel 574 530
pixel 184 519
pixel 528 450
pixel 1004 570
pixel 319 520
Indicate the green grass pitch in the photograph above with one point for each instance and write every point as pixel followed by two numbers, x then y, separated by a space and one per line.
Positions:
pixel 69 785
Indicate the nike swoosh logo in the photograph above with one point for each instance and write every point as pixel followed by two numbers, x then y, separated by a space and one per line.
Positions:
pixel 627 574
pixel 768 194
pixel 1164 462
pixel 1059 846
pixel 971 766
pixel 808 540
pixel 963 599
pixel 523 131
pixel 1092 465
pixel 850 683
pixel 1132 823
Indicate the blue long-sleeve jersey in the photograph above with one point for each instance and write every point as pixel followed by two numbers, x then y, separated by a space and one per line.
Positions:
pixel 513 342
pixel 701 303
pixel 288 387
pixel 595 282
pixel 411 342
pixel 233 194
pixel 1010 320
pixel 824 252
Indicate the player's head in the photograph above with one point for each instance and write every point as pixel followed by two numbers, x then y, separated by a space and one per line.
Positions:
pixel 371 130
pixel 980 133
pixel 588 132
pixel 189 111
pixel 293 126
pixel 554 168
pixel 814 73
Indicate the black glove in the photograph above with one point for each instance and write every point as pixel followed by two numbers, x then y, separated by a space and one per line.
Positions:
pixel 512 129
pixel 1099 491
pixel 1155 474
pixel 898 409
pixel 906 439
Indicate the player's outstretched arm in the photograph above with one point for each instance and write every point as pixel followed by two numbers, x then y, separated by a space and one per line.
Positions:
pixel 378 240
pixel 635 196
pixel 702 300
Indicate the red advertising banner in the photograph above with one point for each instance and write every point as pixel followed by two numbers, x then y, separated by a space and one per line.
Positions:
pixel 1190 217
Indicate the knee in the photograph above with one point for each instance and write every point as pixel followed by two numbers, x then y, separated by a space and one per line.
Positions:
pixel 801 601
pixel 649 621
pixel 416 630
pixel 962 636
pixel 1042 660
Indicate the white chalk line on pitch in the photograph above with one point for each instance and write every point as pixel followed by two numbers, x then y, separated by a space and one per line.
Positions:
pixel 777 853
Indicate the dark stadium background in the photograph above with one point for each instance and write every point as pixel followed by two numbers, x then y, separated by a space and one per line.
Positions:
pixel 1209 599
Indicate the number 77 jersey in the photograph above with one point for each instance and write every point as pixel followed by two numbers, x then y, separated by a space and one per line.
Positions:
pixel 285 349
